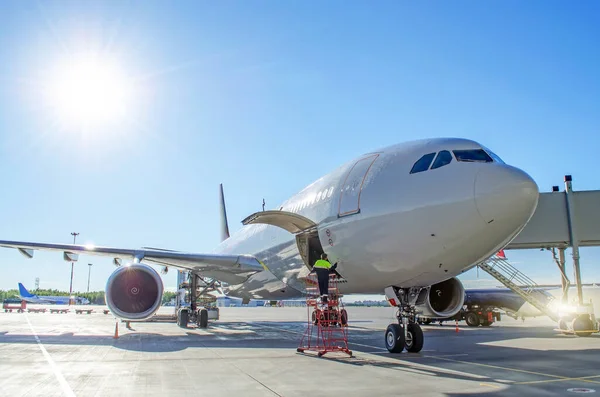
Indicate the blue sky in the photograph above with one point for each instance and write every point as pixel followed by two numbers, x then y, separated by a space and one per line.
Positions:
pixel 266 97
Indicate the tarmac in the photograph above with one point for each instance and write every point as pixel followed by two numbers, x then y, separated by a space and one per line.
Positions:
pixel 252 352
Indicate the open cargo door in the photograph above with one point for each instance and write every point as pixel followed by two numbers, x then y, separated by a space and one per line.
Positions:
pixel 293 223
pixel 307 237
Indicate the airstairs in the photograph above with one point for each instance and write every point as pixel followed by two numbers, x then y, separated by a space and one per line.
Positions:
pixel 499 268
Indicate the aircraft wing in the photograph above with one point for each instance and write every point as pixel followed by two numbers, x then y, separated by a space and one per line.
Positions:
pixel 230 268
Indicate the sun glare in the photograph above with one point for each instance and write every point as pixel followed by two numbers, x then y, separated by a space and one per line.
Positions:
pixel 88 89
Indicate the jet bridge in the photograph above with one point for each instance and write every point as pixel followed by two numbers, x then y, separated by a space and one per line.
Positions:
pixel 562 220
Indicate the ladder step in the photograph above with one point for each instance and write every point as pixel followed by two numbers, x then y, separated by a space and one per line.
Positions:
pixel 504 272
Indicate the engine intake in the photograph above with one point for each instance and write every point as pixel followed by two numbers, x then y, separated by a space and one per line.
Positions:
pixel 134 292
pixel 442 300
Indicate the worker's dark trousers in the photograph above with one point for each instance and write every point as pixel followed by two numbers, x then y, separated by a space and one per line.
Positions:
pixel 323 277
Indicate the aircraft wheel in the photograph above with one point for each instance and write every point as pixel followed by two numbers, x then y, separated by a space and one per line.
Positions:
pixel 581 324
pixel 394 338
pixel 183 318
pixel 472 319
pixel 414 338
pixel 344 317
pixel 563 326
pixel 203 318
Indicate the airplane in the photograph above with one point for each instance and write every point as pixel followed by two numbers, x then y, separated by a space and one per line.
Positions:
pixel 515 306
pixel 59 300
pixel 480 303
pixel 405 219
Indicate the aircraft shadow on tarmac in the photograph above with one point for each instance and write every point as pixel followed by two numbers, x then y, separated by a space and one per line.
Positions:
pixel 404 366
pixel 557 362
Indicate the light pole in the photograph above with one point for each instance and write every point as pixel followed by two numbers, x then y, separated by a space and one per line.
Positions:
pixel 89 272
pixel 72 265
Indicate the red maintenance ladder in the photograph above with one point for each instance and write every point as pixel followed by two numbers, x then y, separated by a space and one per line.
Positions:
pixel 327 326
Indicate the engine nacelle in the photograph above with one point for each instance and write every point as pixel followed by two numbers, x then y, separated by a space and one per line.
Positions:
pixel 134 292
pixel 441 300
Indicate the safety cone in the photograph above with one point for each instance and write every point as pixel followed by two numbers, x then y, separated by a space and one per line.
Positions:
pixel 116 335
pixel 456 326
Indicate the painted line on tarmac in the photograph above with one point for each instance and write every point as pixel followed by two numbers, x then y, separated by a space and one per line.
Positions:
pixel 490 385
pixel 582 378
pixel 61 379
pixel 556 378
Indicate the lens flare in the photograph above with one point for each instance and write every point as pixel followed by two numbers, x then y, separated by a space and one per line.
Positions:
pixel 89 89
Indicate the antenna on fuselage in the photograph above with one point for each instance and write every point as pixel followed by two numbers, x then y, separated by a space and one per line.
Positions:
pixel 224 224
pixel 263 204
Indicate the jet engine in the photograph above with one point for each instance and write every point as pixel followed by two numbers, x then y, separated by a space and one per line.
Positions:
pixel 441 300
pixel 134 292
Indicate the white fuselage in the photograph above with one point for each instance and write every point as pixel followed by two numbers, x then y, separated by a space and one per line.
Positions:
pixel 387 226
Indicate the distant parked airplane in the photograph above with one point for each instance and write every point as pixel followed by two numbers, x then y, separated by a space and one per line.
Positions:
pixel 58 300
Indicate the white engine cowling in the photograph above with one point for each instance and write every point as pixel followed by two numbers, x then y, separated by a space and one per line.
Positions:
pixel 441 300
pixel 134 292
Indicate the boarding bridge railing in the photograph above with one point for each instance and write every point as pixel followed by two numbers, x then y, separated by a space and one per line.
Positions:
pixel 518 282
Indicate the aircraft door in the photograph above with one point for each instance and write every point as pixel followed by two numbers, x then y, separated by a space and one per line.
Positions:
pixel 305 230
pixel 352 186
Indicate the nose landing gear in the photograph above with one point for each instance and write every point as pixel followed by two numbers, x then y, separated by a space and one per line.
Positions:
pixel 407 334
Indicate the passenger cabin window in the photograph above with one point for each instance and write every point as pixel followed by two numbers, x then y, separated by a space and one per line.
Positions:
pixel 472 156
pixel 443 158
pixel 423 163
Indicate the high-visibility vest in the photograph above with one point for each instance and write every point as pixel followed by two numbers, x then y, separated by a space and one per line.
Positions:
pixel 322 264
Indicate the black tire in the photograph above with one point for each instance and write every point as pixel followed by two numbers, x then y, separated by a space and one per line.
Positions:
pixel 203 318
pixel 563 326
pixel 472 319
pixel 343 317
pixel 583 323
pixel 394 338
pixel 183 317
pixel 414 338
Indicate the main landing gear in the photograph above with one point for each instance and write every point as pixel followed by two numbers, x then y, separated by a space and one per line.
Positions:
pixel 407 333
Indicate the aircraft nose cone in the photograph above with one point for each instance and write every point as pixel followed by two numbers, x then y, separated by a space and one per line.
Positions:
pixel 505 194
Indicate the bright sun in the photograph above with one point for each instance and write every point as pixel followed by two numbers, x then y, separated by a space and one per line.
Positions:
pixel 89 90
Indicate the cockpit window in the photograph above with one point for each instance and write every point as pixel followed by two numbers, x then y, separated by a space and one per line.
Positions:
pixel 493 155
pixel 472 156
pixel 423 163
pixel 443 158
